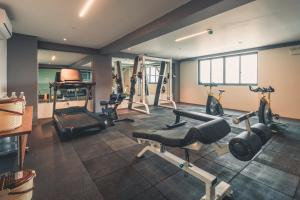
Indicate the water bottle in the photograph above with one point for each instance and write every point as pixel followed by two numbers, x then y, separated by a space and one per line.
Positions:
pixel 13 95
pixel 22 96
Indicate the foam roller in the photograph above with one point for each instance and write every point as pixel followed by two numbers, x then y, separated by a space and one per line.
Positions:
pixel 245 145
pixel 262 131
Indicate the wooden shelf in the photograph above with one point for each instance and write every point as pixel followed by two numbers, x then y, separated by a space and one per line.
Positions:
pixel 26 127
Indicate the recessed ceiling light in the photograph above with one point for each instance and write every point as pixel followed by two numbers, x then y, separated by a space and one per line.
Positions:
pixel 53 58
pixel 85 8
pixel 65 39
pixel 129 49
pixel 209 31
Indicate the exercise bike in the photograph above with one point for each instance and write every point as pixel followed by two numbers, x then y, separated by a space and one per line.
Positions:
pixel 265 114
pixel 213 103
pixel 109 111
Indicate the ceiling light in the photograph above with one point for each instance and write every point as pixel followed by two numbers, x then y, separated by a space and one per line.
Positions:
pixel 65 39
pixel 129 49
pixel 53 58
pixel 209 31
pixel 85 8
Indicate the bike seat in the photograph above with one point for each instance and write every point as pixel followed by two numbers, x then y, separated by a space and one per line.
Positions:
pixel 221 91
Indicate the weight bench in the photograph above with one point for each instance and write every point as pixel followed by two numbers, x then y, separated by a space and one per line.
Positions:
pixel 189 114
pixel 208 133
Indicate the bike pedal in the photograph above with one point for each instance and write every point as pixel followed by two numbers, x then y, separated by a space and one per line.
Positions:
pixel 276 116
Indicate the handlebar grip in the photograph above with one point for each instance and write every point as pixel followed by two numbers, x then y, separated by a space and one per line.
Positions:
pixel 241 118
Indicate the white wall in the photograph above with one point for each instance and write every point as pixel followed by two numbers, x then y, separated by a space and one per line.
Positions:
pixel 3 66
pixel 276 67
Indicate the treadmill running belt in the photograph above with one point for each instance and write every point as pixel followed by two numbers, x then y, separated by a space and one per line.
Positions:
pixel 77 119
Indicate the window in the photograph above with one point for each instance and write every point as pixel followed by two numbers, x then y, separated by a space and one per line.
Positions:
pixel 86 75
pixel 237 69
pixel 152 73
pixel 249 69
pixel 232 68
pixel 205 71
pixel 217 67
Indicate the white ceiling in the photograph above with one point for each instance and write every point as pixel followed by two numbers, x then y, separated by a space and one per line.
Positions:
pixel 259 23
pixel 61 58
pixel 106 21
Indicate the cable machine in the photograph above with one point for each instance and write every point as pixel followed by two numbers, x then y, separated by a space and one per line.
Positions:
pixel 139 89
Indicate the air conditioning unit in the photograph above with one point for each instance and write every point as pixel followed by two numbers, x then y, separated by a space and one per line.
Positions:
pixel 295 50
pixel 5 26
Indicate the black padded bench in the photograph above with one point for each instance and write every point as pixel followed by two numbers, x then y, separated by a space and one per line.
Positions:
pixel 189 114
pixel 208 133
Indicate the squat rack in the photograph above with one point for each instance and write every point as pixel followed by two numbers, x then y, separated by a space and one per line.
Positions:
pixel 139 74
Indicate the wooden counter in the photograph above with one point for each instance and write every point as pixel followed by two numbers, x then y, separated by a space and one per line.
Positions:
pixel 22 133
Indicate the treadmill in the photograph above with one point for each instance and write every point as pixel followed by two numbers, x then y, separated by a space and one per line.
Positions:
pixel 74 120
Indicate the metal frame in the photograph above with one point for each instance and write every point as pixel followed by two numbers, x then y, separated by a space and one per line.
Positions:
pixel 61 85
pixel 142 100
pixel 213 191
pixel 168 69
pixel 142 97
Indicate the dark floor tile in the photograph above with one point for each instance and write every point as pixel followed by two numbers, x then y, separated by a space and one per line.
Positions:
pixel 120 143
pixel 88 140
pixel 122 184
pixel 227 160
pixel 297 195
pixel 181 154
pixel 110 135
pixel 129 154
pixel 285 146
pixel 155 169
pixel 64 179
pixel 61 169
pixel 76 188
pixel 50 156
pixel 103 165
pixel 245 188
pixel 222 173
pixel 280 161
pixel 179 187
pixel 89 151
pixel 150 194
pixel 274 178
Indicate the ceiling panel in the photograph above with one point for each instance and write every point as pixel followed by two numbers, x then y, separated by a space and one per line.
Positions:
pixel 260 23
pixel 105 22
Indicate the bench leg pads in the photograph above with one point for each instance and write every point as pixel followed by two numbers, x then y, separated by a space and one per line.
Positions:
pixel 213 191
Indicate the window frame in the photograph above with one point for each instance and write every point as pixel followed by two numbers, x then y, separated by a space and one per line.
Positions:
pixel 156 75
pixel 224 69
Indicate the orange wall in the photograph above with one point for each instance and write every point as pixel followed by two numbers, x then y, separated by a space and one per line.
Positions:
pixel 276 67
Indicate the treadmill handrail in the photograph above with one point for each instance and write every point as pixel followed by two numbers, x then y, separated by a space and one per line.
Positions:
pixel 71 85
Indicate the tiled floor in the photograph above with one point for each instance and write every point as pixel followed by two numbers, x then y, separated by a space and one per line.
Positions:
pixel 104 165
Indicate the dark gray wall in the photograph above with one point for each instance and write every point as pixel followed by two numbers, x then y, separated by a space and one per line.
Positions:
pixel 22 67
pixel 102 75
